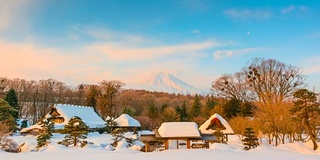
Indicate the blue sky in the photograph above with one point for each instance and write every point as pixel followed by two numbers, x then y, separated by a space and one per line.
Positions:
pixel 79 41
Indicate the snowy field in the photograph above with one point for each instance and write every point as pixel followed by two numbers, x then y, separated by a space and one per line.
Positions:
pixel 99 151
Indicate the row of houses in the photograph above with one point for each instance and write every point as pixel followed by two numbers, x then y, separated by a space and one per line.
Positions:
pixel 182 134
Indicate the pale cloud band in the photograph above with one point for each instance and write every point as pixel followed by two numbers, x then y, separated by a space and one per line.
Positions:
pixel 219 54
pixel 293 8
pixel 123 53
pixel 248 14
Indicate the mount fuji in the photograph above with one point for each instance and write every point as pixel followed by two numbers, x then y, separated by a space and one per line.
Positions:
pixel 166 82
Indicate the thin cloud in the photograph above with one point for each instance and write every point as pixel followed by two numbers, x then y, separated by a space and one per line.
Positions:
pixel 106 35
pixel 312 70
pixel 195 31
pixel 13 13
pixel 117 52
pixel 293 8
pixel 219 54
pixel 248 14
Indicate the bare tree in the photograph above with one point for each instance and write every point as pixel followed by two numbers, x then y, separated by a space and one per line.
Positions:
pixel 273 83
pixel 3 85
pixel 232 86
pixel 108 91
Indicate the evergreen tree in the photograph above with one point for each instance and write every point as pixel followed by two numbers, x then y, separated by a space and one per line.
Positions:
pixel 110 124
pixel 210 103
pixel 246 109
pixel 307 112
pixel 76 131
pixel 12 99
pixel 24 124
pixel 153 113
pixel 219 135
pixel 163 107
pixel 128 110
pixel 7 115
pixel 231 108
pixel 196 106
pixel 46 133
pixel 182 112
pixel 250 140
pixel 117 135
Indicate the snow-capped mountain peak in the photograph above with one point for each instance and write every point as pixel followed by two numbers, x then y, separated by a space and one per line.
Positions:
pixel 166 82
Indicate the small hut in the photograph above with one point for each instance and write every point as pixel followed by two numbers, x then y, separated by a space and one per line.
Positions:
pixel 127 123
pixel 183 131
pixel 214 123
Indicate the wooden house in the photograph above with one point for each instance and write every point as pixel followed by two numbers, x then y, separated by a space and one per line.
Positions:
pixel 180 133
pixel 214 123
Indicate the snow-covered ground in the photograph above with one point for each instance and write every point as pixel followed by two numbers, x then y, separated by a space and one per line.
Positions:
pixel 99 151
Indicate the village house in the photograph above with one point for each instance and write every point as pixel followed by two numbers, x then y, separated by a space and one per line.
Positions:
pixel 185 134
pixel 214 123
pixel 127 123
pixel 62 113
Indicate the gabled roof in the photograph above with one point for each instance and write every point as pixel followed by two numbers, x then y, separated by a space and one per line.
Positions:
pixel 87 115
pixel 206 129
pixel 66 111
pixel 125 120
pixel 179 130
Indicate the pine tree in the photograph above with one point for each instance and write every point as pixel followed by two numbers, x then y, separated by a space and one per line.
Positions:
pixel 183 115
pixel 12 99
pixel 250 140
pixel 219 135
pixel 128 110
pixel 153 113
pixel 117 135
pixel 76 131
pixel 307 112
pixel 210 103
pixel 196 106
pixel 46 133
pixel 7 115
pixel 110 124
pixel 24 124
pixel 231 108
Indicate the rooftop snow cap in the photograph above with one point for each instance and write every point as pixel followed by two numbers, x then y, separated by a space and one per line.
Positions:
pixel 179 129
pixel 216 122
pixel 127 121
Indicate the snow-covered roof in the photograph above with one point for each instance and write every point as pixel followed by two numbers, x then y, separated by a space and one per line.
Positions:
pixel 179 129
pixel 146 132
pixel 203 128
pixel 66 111
pixel 127 121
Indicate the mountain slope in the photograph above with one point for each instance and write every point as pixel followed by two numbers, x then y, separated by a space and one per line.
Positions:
pixel 166 82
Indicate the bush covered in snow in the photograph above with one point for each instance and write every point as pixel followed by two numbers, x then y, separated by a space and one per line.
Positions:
pixel 76 131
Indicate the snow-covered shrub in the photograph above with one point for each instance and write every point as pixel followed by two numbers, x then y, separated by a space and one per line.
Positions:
pixel 131 141
pixel 117 135
pixel 5 143
pixel 76 131
pixel 8 145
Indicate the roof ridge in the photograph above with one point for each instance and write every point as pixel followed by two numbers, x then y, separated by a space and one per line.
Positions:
pixel 71 105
